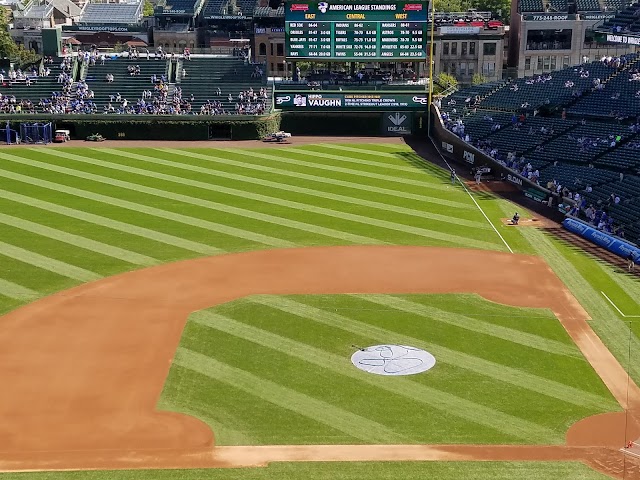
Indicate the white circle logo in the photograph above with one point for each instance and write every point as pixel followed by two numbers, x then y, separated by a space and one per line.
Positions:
pixel 393 360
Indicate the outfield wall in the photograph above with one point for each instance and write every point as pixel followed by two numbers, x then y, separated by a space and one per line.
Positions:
pixel 612 243
pixel 233 127
pixel 161 127
pixel 343 123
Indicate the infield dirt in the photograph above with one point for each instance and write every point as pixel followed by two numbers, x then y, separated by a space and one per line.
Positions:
pixel 85 367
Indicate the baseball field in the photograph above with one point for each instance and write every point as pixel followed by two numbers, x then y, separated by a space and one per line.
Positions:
pixel 191 313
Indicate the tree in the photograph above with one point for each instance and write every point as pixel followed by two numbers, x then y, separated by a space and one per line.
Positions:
pixel 446 81
pixel 148 9
pixel 501 9
pixel 9 49
pixel 478 78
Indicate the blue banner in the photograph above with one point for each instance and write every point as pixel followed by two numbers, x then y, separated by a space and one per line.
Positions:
pixel 611 243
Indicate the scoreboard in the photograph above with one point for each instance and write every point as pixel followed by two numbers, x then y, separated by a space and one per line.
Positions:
pixel 352 30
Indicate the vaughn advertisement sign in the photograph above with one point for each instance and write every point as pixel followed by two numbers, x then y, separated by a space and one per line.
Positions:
pixel 355 101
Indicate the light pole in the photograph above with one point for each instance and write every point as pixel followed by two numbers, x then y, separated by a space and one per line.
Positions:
pixel 284 64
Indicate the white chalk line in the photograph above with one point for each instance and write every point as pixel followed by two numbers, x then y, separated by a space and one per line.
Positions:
pixel 472 197
pixel 616 307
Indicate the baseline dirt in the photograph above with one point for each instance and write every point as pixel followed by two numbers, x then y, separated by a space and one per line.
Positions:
pixel 85 367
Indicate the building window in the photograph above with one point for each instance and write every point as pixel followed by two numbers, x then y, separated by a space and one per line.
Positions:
pixel 452 69
pixel 489 48
pixel 471 69
pixel 463 69
pixel 546 63
pixel 280 49
pixel 527 63
pixel 539 66
pixel 553 63
pixel 565 61
pixel 445 48
pixel 472 48
pixel 464 48
pixel 262 49
pixel 271 44
pixel 489 69
pixel 454 48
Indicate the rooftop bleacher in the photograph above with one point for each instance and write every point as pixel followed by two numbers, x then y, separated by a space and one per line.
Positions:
pixel 182 7
pixel 115 13
pixel 531 6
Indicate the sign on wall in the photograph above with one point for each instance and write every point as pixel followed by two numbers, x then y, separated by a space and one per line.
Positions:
pixel 397 123
pixel 355 101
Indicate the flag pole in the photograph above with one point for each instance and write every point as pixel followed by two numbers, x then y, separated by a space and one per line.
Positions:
pixel 432 5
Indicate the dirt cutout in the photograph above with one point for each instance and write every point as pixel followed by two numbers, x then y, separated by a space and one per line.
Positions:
pixel 83 369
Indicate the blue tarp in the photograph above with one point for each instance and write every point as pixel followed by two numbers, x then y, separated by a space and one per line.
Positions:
pixel 611 243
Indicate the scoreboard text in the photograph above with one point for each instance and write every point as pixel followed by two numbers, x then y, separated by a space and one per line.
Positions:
pixel 356 31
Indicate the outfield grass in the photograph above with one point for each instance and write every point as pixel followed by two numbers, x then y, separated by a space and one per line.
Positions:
pixel 68 216
pixel 345 471
pixel 73 215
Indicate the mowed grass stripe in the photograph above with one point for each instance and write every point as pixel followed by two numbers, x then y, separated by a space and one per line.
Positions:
pixel 346 148
pixel 46 263
pixel 446 402
pixel 104 221
pixel 15 291
pixel 351 159
pixel 232 231
pixel 208 225
pixel 474 364
pixel 315 178
pixel 322 412
pixel 334 168
pixel 474 325
pixel 78 241
pixel 137 207
pixel 294 188
pixel 303 207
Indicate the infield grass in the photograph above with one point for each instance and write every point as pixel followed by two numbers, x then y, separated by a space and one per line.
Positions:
pixel 276 370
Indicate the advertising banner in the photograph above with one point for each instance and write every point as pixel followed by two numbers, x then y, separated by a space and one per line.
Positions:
pixel 397 123
pixel 349 101
pixel 611 243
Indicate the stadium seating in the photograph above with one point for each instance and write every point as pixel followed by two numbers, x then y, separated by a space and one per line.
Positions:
pixel 204 76
pixel 549 89
pixel 621 96
pixel 40 88
pixel 128 86
pixel 574 143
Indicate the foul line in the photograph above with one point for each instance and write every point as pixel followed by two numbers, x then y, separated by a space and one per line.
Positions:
pixel 616 307
pixel 472 197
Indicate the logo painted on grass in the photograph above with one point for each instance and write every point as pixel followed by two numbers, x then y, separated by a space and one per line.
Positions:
pixel 393 360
